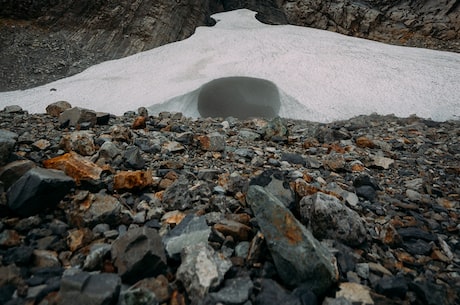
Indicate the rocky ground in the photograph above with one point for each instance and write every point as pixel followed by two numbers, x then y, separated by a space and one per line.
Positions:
pixel 164 209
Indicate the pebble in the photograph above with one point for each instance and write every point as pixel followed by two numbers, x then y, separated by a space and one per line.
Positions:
pixel 177 210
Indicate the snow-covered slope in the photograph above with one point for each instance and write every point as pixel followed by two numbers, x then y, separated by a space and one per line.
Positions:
pixel 320 76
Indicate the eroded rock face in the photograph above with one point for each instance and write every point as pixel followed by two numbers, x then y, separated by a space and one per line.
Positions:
pixel 42 41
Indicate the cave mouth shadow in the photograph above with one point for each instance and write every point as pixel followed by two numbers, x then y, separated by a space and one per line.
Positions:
pixel 240 97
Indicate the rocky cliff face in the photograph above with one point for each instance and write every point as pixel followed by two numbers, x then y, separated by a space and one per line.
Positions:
pixel 41 41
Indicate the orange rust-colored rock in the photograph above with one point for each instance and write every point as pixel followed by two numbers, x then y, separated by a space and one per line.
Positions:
pixel 364 142
pixel 75 166
pixel 129 180
pixel 139 123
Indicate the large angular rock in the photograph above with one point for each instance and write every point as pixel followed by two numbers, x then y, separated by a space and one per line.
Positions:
pixel 76 116
pixel 138 254
pixel 11 172
pixel 328 218
pixel 89 289
pixel 201 269
pixel 298 256
pixel 191 230
pixel 37 190
pixel 7 141
pixel 75 166
pixel 235 291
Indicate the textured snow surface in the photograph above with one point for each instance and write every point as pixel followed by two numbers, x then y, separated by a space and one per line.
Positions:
pixel 320 76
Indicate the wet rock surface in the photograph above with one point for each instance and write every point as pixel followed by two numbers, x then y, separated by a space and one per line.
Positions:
pixel 236 224
pixel 42 41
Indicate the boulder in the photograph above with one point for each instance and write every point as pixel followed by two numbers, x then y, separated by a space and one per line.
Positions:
pixel 298 256
pixel 89 289
pixel 191 230
pixel 328 218
pixel 8 140
pixel 77 116
pixel 202 269
pixel 138 254
pixel 37 190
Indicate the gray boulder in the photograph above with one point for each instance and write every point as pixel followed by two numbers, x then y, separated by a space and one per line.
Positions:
pixel 201 269
pixel 89 289
pixel 8 140
pixel 298 256
pixel 37 190
pixel 138 254
pixel 328 218
pixel 191 230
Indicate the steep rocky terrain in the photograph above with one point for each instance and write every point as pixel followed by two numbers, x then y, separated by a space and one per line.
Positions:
pixel 164 209
pixel 41 41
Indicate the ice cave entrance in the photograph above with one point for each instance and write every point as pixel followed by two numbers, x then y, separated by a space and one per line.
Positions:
pixel 240 97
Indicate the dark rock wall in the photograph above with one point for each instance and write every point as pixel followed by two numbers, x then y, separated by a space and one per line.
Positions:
pixel 41 41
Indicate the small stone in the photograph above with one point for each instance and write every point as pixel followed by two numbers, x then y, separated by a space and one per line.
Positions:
pixel 191 230
pixel 55 109
pixel 41 144
pixel 394 286
pixel 235 291
pixel 102 118
pixel 96 256
pixel 78 238
pixel 137 296
pixel 159 286
pixel 81 142
pixel 173 146
pixel 235 229
pixel 10 238
pixel 45 258
pixel 365 142
pixel 201 269
pixel 355 293
pixel 213 142
pixel 275 130
pixel 139 123
pixel 8 140
pixel 13 109
pixel 37 190
pixel 102 209
pixel 133 157
pixel 128 180
pixel 382 162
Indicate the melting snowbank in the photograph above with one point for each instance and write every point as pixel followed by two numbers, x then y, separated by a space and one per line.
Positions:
pixel 320 76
